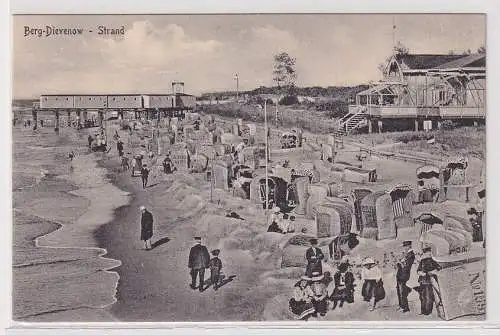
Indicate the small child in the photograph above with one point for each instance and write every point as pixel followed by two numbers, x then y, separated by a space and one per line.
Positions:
pixel 215 267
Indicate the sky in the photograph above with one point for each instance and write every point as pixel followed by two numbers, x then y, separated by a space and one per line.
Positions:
pixel 205 51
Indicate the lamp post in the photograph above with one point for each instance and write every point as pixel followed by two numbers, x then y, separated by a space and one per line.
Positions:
pixel 237 86
pixel 267 157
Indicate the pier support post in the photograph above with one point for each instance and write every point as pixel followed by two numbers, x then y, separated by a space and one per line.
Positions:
pixel 79 118
pixel 34 113
pixel 380 126
pixel 416 125
pixel 100 117
pixel 56 127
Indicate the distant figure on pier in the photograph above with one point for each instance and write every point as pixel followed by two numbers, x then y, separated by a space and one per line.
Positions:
pixel 144 175
pixel 119 147
pixel 41 123
pixel 146 227
pixel 90 139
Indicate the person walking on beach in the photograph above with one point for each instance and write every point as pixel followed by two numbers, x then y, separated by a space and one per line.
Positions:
pixel 403 275
pixel 215 267
pixel 144 175
pixel 146 227
pixel 199 260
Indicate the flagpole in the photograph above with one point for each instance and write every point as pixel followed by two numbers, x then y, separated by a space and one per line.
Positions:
pixel 265 130
pixel 393 32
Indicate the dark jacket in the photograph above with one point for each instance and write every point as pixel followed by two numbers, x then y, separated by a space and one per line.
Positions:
pixel 144 172
pixel 199 258
pixel 427 265
pixel 310 254
pixel 404 267
pixel 314 262
pixel 348 280
pixel 215 264
pixel 146 225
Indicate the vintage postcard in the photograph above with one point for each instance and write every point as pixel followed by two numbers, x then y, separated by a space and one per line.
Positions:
pixel 293 167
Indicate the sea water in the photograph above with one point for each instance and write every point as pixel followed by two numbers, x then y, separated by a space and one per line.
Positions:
pixel 59 272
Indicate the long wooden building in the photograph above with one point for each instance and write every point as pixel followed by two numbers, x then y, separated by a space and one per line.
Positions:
pixel 422 90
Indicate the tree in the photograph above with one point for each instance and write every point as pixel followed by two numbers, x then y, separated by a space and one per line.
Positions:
pixel 284 73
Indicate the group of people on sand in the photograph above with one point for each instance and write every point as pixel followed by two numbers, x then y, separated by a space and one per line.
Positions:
pixel 199 257
pixel 317 292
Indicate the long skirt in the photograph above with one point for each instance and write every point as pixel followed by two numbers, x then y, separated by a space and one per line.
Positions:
pixel 301 308
pixel 368 289
pixel 426 293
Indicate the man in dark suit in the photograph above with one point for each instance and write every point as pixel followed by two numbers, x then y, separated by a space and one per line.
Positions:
pixel 146 227
pixel 314 256
pixel 403 275
pixel 199 260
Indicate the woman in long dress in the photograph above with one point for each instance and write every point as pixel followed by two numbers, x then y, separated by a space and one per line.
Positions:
pixel 301 304
pixel 426 271
pixel 372 277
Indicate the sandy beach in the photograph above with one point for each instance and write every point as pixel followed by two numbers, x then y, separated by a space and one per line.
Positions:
pixel 85 238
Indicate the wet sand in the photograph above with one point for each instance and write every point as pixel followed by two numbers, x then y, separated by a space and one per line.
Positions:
pixel 59 272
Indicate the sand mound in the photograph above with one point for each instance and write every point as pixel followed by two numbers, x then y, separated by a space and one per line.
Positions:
pixel 182 198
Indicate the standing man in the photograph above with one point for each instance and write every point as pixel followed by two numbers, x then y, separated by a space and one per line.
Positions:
pixel 199 260
pixel 146 227
pixel 144 175
pixel 403 275
pixel 314 256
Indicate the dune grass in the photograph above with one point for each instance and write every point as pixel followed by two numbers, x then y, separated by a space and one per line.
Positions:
pixel 468 141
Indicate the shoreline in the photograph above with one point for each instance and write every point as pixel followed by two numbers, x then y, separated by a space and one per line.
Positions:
pixel 36 249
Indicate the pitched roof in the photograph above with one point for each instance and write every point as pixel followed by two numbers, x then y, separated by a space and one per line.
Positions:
pixel 476 60
pixel 422 62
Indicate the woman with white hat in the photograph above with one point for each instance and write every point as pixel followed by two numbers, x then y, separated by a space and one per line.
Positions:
pixel 372 277
pixel 301 302
pixel 318 289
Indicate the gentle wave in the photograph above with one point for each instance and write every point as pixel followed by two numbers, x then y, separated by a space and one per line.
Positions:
pixel 65 270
